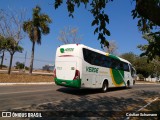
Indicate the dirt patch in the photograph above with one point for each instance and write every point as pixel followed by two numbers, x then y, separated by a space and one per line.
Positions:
pixel 15 78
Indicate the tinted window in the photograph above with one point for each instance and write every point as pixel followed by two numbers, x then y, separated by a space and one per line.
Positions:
pixel 125 67
pixel 96 58
pixel 103 61
pixel 114 64
pixel 87 56
pixel 106 62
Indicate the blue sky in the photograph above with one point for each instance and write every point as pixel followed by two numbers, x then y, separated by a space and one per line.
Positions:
pixel 123 28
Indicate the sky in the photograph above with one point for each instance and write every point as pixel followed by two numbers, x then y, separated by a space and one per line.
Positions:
pixel 123 28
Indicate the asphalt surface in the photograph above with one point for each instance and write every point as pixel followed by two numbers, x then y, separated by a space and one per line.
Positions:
pixel 53 97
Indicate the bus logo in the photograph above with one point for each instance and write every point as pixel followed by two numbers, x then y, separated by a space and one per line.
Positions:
pixel 92 69
pixel 62 50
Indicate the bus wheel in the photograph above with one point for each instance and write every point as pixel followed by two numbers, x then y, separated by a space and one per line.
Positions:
pixel 128 84
pixel 133 82
pixel 104 87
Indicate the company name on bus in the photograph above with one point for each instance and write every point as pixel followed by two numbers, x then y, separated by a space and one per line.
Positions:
pixel 92 69
pixel 62 50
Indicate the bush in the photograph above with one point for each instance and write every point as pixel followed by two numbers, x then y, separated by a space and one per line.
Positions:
pixel 4 66
pixel 140 77
pixel 19 65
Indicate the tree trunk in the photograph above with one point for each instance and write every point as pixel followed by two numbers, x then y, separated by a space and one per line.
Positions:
pixel 2 60
pixel 32 58
pixel 10 64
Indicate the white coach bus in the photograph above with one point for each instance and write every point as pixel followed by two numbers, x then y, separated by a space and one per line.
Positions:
pixel 79 66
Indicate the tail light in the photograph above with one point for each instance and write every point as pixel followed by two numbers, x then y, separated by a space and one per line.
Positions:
pixel 77 75
pixel 54 73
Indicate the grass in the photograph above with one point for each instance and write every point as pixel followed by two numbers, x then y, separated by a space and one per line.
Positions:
pixel 24 78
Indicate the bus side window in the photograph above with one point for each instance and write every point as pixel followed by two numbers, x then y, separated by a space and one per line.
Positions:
pixel 121 65
pixel 125 67
pixel 88 56
pixel 105 61
pixel 114 64
pixel 108 62
pixel 133 72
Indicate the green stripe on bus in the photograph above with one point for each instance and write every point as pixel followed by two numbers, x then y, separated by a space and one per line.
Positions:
pixel 113 56
pixel 118 76
pixel 68 83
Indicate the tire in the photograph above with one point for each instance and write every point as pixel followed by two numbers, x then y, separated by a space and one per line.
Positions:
pixel 133 82
pixel 128 84
pixel 104 87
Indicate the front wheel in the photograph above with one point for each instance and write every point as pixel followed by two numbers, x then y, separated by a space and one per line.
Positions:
pixel 128 84
pixel 104 87
pixel 133 82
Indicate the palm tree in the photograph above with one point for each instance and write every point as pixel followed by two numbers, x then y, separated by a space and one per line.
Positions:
pixel 12 47
pixel 35 28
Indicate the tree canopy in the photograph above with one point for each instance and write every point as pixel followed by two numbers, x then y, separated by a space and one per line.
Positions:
pixel 152 49
pixel 12 46
pixel 19 65
pixel 69 35
pixel 112 49
pixel 11 32
pixel 100 20
pixel 37 26
pixel 142 66
pixel 9 44
pixel 1 43
pixel 146 11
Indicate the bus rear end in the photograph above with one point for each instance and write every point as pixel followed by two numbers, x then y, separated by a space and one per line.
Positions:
pixel 67 70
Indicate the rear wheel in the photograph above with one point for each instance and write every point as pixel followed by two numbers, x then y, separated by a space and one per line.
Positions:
pixel 104 87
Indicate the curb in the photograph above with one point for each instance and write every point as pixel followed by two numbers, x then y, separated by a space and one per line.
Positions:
pixel 149 83
pixel 38 83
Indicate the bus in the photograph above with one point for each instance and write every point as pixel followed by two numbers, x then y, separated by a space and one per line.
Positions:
pixel 80 66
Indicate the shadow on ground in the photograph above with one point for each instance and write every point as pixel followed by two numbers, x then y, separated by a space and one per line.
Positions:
pixel 86 107
pixel 82 92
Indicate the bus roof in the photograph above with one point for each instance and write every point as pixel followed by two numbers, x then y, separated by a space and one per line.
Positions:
pixel 98 51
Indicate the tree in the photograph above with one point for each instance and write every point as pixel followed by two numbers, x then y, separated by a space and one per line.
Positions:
pixel 97 10
pixel 112 49
pixel 131 57
pixel 152 49
pixel 35 28
pixel 142 66
pixel 156 64
pixel 145 10
pixel 11 31
pixel 69 35
pixel 19 65
pixel 2 49
pixel 12 46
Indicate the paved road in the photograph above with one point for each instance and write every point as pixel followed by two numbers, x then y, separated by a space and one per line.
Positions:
pixel 56 98
pixel 24 95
